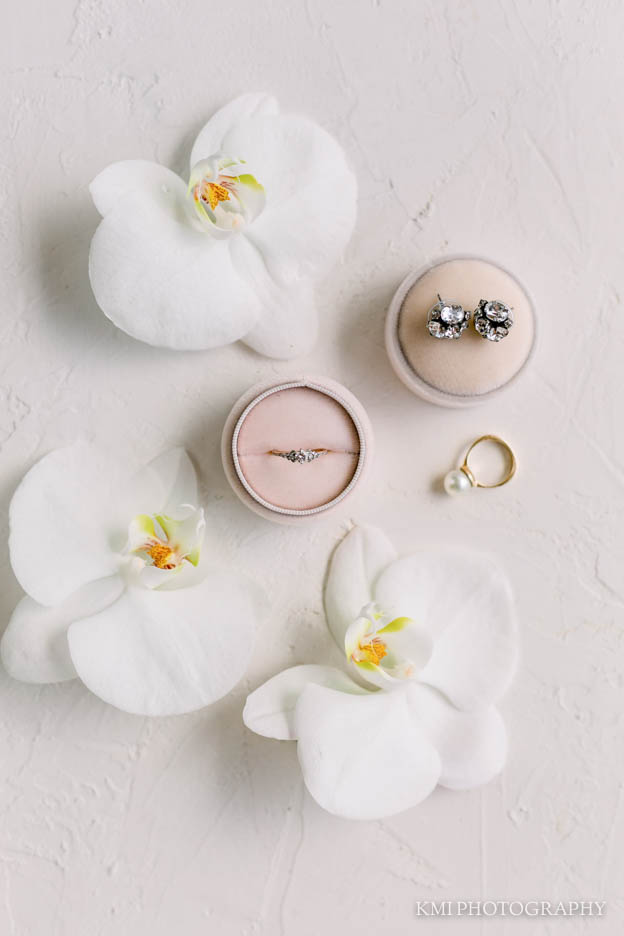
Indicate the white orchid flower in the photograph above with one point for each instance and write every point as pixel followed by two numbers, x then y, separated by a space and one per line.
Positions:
pixel 233 253
pixel 446 651
pixel 117 591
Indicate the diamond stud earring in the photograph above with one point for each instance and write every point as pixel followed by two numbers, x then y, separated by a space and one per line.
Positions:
pixel 447 319
pixel 493 319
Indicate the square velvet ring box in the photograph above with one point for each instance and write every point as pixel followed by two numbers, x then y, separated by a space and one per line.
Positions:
pixel 293 450
pixel 458 372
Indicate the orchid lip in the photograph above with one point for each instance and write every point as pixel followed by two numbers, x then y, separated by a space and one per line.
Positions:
pixel 376 644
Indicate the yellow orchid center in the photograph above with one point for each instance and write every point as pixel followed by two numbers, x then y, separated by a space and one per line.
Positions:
pixel 370 651
pixel 162 556
pixel 225 195
pixel 166 543
pixel 212 192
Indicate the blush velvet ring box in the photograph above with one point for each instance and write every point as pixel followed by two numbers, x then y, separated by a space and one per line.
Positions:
pixel 469 370
pixel 295 449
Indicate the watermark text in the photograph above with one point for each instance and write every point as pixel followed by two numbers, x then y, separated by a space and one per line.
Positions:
pixel 514 908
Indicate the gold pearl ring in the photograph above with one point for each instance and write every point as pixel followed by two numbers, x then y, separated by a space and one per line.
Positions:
pixel 463 478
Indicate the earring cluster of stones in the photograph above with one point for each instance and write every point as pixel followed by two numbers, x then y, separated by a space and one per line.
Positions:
pixel 447 319
pixel 492 319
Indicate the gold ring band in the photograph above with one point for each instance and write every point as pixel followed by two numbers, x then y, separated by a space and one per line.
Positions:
pixel 512 464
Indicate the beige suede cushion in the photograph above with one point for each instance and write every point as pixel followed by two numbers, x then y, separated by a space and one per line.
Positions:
pixel 470 365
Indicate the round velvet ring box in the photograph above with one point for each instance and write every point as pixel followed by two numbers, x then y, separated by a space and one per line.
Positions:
pixel 295 449
pixel 458 371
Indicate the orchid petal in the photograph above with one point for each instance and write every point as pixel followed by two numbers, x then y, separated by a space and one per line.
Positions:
pixel 412 643
pixel 472 746
pixel 34 646
pixel 270 710
pixel 211 136
pixel 164 283
pixel 63 524
pixel 311 193
pixel 137 175
pixel 185 576
pixel 141 529
pixel 151 577
pixel 165 485
pixel 288 326
pixel 355 565
pixel 465 601
pixel 376 676
pixel 363 757
pixel 166 652
pixel 187 532
pixel 355 633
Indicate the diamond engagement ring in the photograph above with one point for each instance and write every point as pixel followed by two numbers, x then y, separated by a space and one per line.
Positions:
pixel 303 456
pixel 300 456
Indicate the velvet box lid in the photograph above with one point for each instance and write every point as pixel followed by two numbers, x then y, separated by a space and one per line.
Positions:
pixel 272 423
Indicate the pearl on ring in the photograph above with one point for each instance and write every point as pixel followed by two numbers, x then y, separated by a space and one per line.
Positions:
pixel 457 482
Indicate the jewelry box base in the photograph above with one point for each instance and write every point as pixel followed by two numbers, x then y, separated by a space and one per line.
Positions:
pixel 469 370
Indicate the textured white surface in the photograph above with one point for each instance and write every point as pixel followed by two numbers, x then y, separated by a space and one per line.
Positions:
pixel 494 128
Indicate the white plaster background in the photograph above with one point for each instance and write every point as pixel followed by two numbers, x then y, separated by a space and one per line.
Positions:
pixel 492 127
